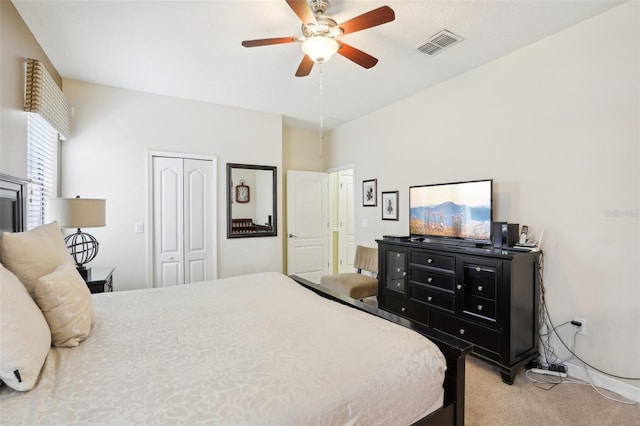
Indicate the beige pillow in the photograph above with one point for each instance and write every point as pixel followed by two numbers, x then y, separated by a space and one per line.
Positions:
pixel 25 338
pixel 35 253
pixel 65 300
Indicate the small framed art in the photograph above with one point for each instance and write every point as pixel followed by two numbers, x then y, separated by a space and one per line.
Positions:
pixel 390 205
pixel 370 193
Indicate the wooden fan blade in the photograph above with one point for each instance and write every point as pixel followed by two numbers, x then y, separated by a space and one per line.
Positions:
pixel 269 41
pixel 358 56
pixel 303 10
pixel 305 67
pixel 373 18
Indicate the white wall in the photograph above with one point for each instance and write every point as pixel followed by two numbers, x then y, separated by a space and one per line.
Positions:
pixel 113 129
pixel 556 125
pixel 16 44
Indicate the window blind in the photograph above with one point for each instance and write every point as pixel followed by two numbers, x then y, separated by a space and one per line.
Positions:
pixel 43 96
pixel 42 140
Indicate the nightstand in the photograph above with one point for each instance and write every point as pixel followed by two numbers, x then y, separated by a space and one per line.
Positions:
pixel 100 280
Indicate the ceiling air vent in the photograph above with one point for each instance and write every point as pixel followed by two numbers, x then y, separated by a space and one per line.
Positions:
pixel 440 41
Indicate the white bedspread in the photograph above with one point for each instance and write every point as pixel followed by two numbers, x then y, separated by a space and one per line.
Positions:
pixel 255 349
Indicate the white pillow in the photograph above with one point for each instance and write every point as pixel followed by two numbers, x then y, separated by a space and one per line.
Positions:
pixel 65 301
pixel 25 338
pixel 35 253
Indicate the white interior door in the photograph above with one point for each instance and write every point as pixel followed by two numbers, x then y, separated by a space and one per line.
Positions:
pixel 168 221
pixel 198 220
pixel 307 224
pixel 183 240
pixel 346 230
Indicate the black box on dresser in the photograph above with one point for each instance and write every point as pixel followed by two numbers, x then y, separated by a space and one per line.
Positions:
pixel 486 296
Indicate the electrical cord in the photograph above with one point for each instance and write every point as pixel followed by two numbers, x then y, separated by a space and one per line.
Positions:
pixel 573 345
pixel 545 322
pixel 543 384
pixel 545 311
pixel 626 401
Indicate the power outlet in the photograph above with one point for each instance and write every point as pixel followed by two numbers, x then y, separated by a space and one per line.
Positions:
pixel 583 327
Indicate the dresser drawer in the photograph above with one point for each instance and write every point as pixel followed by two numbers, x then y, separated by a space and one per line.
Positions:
pixel 404 307
pixel 474 333
pixel 432 297
pixel 434 260
pixel 480 273
pixel 486 290
pixel 480 306
pixel 428 277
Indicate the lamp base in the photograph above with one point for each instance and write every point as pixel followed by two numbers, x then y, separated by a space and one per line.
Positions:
pixel 82 246
pixel 84 271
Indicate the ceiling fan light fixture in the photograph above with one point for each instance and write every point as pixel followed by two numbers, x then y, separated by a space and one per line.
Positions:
pixel 319 48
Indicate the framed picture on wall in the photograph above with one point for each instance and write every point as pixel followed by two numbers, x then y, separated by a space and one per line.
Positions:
pixel 370 193
pixel 390 205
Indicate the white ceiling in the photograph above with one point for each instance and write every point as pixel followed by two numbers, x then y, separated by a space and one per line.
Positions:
pixel 191 49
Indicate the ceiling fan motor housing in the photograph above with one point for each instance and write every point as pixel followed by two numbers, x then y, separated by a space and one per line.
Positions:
pixel 325 26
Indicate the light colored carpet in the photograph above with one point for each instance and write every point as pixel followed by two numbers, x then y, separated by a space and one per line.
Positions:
pixel 490 402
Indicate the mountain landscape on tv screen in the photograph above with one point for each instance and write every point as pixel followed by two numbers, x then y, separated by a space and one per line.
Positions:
pixel 452 220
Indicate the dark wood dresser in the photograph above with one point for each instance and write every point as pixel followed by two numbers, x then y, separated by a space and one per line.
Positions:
pixel 486 296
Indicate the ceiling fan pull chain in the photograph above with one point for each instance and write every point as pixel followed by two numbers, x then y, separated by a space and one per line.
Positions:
pixel 321 110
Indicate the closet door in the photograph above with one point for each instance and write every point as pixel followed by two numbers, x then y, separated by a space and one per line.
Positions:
pixel 198 220
pixel 184 249
pixel 168 221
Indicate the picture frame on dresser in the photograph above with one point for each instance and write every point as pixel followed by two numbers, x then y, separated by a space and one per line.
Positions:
pixel 390 205
pixel 370 193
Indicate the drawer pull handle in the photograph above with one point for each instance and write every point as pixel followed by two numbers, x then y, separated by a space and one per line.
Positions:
pixel 478 269
pixel 479 307
pixel 403 309
pixel 459 286
pixel 429 279
pixel 429 260
pixel 479 288
pixel 429 298
pixel 398 255
pixel 462 331
pixel 398 269
pixel 398 284
pixel 404 274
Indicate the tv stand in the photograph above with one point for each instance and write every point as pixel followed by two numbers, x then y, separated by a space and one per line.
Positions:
pixel 485 296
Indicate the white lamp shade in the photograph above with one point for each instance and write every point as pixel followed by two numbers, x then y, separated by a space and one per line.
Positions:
pixel 76 212
pixel 319 48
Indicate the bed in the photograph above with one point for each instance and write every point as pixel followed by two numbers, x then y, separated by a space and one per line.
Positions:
pixel 255 349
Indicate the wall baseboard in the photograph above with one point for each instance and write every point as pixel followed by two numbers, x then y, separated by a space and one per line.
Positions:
pixel 603 381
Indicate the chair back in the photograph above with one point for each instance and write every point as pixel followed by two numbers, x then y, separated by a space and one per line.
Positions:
pixel 366 259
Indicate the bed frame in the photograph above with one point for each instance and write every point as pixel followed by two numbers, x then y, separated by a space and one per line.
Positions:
pixel 12 219
pixel 12 203
pixel 453 349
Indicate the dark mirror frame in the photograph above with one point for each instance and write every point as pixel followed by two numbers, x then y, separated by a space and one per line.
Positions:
pixel 231 199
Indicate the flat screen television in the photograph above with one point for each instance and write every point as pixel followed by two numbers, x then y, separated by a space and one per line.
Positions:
pixel 460 211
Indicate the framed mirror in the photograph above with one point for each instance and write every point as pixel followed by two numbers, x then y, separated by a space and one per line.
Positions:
pixel 251 201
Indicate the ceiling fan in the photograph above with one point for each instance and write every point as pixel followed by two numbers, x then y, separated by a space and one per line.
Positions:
pixel 321 33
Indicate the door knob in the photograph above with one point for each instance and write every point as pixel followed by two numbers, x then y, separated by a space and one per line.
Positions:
pixel 292 236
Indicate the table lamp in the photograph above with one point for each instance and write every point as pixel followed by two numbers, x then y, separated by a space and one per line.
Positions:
pixel 78 213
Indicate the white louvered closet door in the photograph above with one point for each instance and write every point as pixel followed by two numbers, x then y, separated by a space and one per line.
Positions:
pixel 183 221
